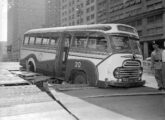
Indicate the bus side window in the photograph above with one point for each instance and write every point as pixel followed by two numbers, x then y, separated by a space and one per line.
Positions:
pixel 45 41
pixel 26 40
pixel 101 44
pixel 32 39
pixel 91 43
pixel 67 42
pixel 54 42
pixel 38 41
pixel 97 42
pixel 79 42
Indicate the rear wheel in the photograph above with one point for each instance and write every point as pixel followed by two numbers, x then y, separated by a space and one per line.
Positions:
pixel 80 78
pixel 31 67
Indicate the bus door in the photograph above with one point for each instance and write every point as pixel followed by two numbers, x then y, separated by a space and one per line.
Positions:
pixel 62 55
pixel 65 52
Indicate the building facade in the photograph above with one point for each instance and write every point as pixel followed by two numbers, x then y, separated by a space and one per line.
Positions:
pixel 22 16
pixel 53 13
pixel 3 51
pixel 78 12
pixel 148 16
pixel 102 11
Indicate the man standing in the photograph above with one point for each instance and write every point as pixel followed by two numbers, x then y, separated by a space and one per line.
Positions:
pixel 163 68
pixel 156 64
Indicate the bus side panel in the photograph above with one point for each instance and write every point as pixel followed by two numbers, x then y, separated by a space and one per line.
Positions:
pixel 82 65
pixel 46 67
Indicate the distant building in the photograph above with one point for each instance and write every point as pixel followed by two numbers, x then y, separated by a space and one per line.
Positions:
pixel 53 13
pixel 22 16
pixel 78 12
pixel 102 11
pixel 148 16
pixel 3 51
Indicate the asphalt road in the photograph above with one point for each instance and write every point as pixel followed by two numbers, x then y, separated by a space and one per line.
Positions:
pixel 142 103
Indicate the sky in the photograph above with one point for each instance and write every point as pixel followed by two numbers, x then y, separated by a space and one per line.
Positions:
pixel 3 20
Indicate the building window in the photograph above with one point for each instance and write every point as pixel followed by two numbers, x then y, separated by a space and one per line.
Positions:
pixel 92 1
pixel 81 20
pixel 78 22
pixel 87 2
pixel 92 8
pixel 140 32
pixel 139 22
pixel 73 23
pixel 82 4
pixel 155 19
pixel 88 10
pixel 155 30
pixel 73 16
pixel 88 18
pixel 72 2
pixel 92 16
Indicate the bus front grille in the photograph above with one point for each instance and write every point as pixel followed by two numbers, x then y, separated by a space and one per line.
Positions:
pixel 129 73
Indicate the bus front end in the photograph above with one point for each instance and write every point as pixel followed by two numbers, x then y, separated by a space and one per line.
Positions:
pixel 123 67
pixel 129 74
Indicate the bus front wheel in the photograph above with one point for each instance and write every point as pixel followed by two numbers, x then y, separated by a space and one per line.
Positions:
pixel 80 78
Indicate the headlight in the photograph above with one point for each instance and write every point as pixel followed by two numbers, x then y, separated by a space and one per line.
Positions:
pixel 116 73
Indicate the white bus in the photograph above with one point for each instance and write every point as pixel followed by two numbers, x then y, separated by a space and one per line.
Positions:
pixel 99 55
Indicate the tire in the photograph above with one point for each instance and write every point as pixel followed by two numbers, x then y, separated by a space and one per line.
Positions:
pixel 80 78
pixel 31 68
pixel 101 84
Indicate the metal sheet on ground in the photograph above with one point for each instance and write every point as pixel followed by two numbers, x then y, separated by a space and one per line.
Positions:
pixel 6 78
pixel 139 106
pixel 13 91
pixel 15 95
pixel 37 111
pixel 29 102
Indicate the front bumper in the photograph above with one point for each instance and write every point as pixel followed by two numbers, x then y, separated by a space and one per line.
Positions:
pixel 105 84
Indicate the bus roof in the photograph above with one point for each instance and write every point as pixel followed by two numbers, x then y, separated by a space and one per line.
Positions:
pixel 107 28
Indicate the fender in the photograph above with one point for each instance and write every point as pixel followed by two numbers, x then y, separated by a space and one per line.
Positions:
pixel 82 65
pixel 30 58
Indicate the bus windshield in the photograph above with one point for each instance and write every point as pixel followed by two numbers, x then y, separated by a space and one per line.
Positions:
pixel 124 44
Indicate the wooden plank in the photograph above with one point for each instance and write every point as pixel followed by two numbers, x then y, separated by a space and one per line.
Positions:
pixel 6 78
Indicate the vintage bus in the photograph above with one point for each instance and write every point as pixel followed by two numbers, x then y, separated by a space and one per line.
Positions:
pixel 98 55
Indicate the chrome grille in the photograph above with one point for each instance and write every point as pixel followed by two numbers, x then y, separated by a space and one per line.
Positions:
pixel 131 63
pixel 129 73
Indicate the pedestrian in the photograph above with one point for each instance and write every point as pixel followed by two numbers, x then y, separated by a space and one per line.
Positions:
pixel 163 68
pixel 156 64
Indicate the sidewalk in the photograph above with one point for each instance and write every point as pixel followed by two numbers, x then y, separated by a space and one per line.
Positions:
pixel 150 80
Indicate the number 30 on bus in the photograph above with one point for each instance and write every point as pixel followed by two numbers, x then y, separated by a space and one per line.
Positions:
pixel 98 55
